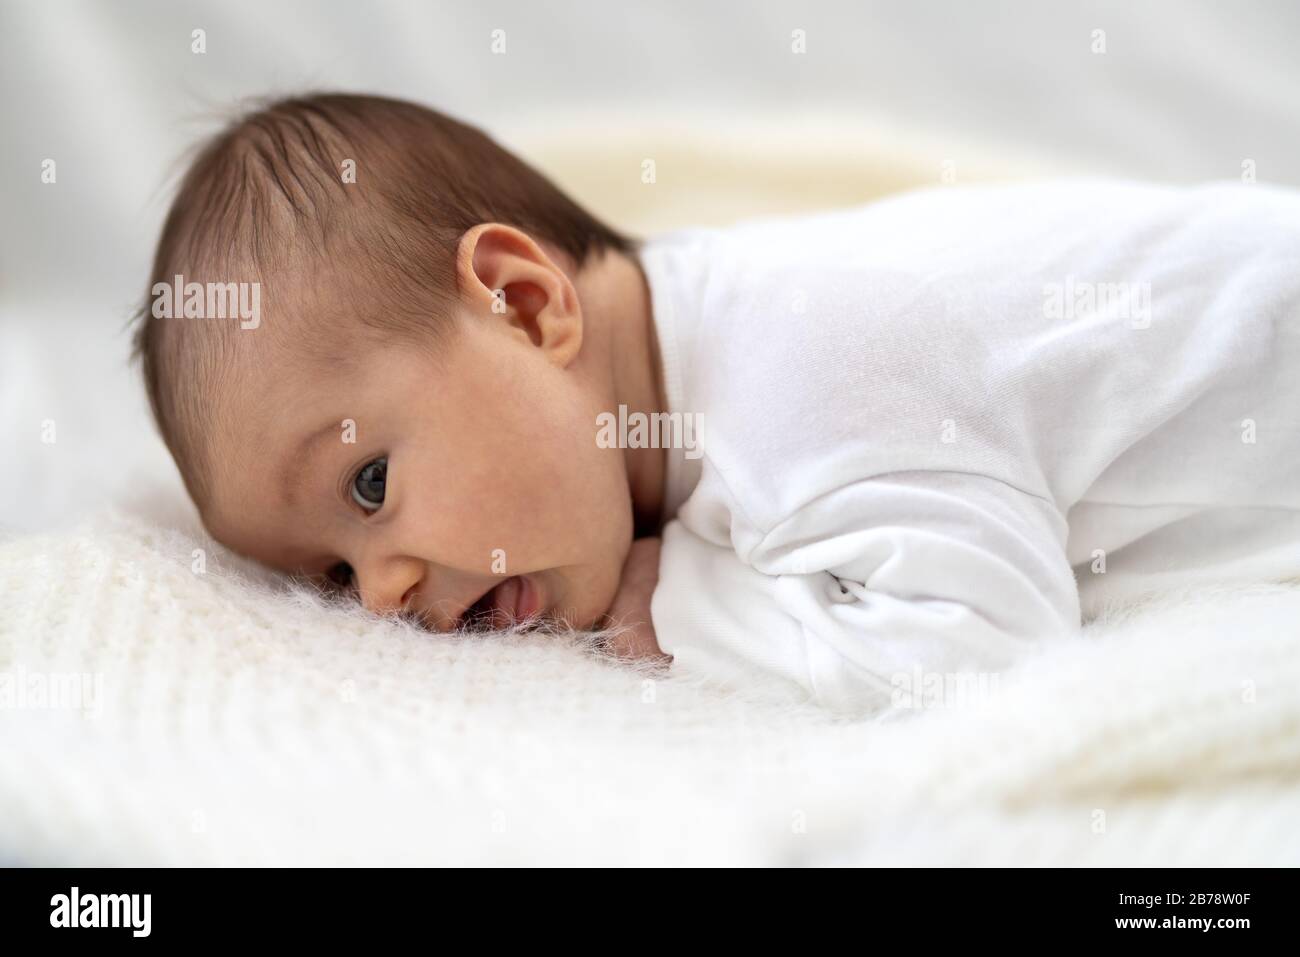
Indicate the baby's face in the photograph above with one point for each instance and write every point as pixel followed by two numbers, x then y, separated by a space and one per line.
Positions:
pixel 471 489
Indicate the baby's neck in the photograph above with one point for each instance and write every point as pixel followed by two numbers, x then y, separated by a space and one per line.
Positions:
pixel 619 325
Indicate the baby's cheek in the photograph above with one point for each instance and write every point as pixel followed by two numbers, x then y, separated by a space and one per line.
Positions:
pixel 495 533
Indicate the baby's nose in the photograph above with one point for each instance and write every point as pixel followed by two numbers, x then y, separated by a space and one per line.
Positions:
pixel 389 590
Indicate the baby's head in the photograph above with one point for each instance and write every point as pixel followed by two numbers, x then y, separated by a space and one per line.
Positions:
pixel 406 403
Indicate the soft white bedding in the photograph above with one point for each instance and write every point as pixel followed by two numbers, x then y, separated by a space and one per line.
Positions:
pixel 234 723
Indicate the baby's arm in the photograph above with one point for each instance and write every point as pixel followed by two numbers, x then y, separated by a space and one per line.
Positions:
pixel 942 572
pixel 631 609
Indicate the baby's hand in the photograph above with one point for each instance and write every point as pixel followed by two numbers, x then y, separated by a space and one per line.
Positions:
pixel 631 607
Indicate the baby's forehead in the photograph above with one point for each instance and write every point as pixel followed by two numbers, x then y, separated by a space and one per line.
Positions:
pixel 277 377
pixel 259 430
pixel 314 353
pixel 305 321
pixel 255 383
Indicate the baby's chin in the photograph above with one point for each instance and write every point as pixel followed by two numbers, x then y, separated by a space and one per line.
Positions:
pixel 579 598
pixel 589 619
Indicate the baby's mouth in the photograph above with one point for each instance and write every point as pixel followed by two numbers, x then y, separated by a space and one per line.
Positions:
pixel 513 601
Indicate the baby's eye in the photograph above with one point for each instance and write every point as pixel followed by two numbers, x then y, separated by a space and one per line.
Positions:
pixel 368 486
pixel 340 575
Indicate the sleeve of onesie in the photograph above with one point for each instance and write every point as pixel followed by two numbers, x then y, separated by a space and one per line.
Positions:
pixel 859 591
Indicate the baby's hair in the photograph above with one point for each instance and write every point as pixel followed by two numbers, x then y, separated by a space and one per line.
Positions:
pixel 348 211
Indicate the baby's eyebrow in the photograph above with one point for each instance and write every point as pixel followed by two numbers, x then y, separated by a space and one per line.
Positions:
pixel 295 465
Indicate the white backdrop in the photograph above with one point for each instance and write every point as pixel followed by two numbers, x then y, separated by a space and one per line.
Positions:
pixel 112 92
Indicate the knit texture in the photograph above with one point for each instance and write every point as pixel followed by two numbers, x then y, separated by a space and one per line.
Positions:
pixel 230 720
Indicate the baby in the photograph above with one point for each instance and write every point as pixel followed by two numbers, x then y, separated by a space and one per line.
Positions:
pixel 922 436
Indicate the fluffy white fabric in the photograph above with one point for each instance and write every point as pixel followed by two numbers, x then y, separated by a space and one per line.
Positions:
pixel 239 723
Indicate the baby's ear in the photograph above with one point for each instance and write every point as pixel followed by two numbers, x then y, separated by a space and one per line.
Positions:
pixel 504 275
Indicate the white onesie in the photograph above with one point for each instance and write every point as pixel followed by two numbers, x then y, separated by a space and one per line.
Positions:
pixel 945 427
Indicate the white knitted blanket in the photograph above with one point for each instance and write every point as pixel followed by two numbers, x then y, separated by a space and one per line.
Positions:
pixel 156 711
